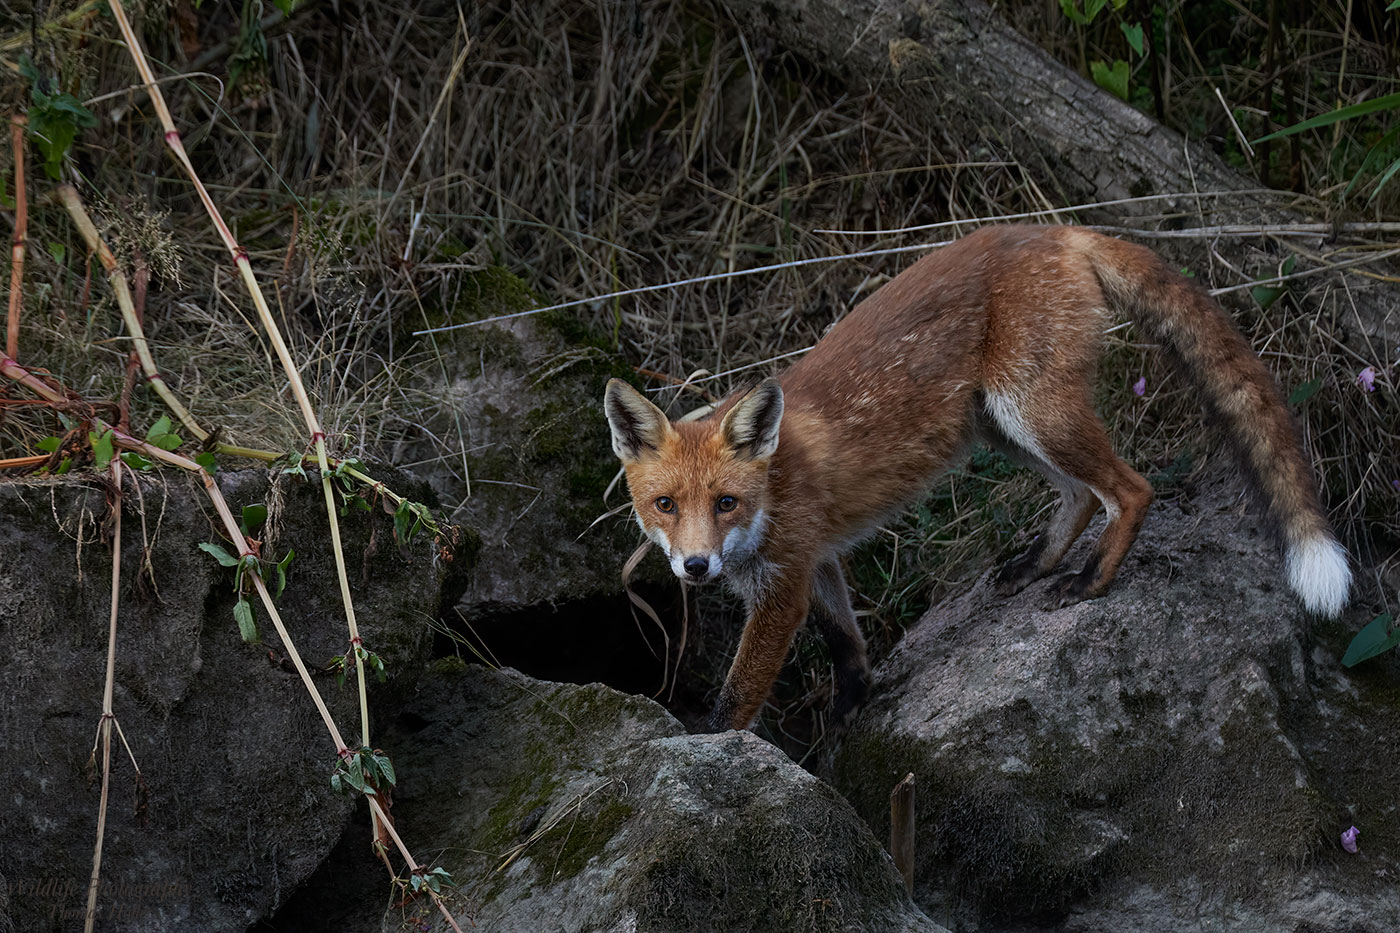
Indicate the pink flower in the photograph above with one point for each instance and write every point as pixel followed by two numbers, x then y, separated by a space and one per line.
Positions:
pixel 1140 386
pixel 1367 379
pixel 1349 839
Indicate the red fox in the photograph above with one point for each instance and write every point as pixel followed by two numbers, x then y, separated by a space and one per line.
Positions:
pixel 995 339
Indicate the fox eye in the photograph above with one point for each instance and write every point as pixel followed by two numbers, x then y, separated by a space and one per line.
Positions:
pixel 726 503
pixel 666 504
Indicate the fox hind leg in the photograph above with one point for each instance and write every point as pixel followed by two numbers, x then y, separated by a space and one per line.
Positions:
pixel 1062 433
pixel 834 618
pixel 1077 507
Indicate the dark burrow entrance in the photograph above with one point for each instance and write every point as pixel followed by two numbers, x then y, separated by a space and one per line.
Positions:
pixel 602 639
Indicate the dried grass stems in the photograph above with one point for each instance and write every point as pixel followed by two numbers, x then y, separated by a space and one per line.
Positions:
pixel 587 149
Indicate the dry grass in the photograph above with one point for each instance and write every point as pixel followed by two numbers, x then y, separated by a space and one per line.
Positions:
pixel 587 148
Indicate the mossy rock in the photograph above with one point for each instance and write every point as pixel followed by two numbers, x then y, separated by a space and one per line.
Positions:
pixel 523 398
pixel 1188 736
pixel 579 808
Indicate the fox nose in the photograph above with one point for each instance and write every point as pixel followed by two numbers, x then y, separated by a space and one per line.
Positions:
pixel 697 566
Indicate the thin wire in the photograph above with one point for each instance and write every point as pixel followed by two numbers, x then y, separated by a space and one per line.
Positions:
pixel 695 281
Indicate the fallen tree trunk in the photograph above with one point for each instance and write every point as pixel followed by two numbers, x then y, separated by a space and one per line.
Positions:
pixel 964 74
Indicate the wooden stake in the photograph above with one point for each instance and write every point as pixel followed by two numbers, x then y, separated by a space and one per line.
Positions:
pixel 902 829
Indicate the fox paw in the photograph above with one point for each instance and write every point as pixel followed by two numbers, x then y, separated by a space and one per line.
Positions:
pixel 1072 588
pixel 852 687
pixel 1019 572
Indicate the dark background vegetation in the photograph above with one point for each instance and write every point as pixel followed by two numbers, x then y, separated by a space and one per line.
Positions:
pixel 382 174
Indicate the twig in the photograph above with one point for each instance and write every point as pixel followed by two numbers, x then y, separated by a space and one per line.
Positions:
pixel 17 123
pixel 1239 133
pixel 105 724
pixel 1277 279
pixel 432 120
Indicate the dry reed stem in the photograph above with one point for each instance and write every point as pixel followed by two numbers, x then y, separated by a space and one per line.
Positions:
pixel 274 334
pixel 108 715
pixel 69 196
pixel 17 124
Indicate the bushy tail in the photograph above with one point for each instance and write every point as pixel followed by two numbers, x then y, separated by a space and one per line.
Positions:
pixel 1242 394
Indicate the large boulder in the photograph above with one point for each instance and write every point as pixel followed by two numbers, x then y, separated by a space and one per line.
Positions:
pixel 238 808
pixel 578 808
pixel 1188 743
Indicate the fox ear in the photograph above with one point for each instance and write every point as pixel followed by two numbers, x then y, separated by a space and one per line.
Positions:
pixel 637 425
pixel 751 426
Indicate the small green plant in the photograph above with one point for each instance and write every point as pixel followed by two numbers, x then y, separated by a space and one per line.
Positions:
pixel 363 770
pixel 55 117
pixel 344 664
pixel 254 516
pixel 1112 77
pixel 159 435
pixel 434 880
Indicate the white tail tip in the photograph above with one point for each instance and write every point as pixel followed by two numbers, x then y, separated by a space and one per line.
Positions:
pixel 1318 573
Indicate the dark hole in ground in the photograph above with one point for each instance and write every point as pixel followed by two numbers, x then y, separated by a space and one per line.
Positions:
pixel 602 639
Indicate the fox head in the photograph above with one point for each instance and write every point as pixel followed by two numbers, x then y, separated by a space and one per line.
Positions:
pixel 699 488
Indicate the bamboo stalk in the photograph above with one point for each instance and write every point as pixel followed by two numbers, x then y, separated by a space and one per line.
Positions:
pixel 105 725
pixel 274 334
pixel 17 123
pixel 88 230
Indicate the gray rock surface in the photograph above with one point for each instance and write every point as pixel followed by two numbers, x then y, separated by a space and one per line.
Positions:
pixel 235 756
pixel 1182 753
pixel 567 808
pixel 526 397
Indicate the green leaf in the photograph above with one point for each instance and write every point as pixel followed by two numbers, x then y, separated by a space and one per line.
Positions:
pixel 386 767
pixel 207 461
pixel 1304 392
pixel 1112 79
pixel 253 518
pixel 1091 9
pixel 222 556
pixel 137 462
pixel 1372 640
pixel 1394 5
pixel 1266 295
pixel 161 436
pixel 1133 34
pixel 101 448
pixel 294 466
pixel 1386 102
pixel 247 624
pixel 403 522
pixel 58 251
pixel 49 444
pixel 281 568
pixel 284 6
pixel 1386 176
pixel 63 466
pixel 162 426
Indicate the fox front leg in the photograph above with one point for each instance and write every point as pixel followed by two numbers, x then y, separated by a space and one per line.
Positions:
pixel 774 619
